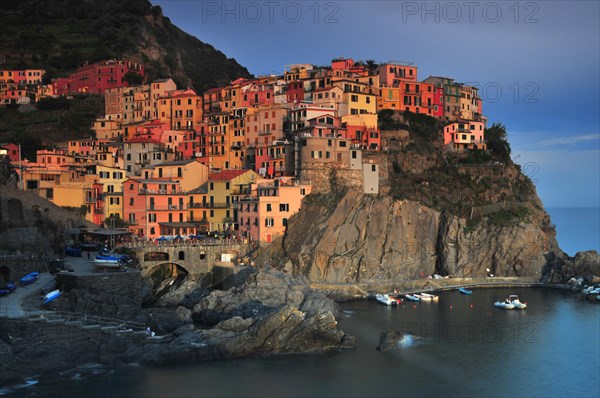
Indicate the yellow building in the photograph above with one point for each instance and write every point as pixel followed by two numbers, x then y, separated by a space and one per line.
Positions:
pixel 213 203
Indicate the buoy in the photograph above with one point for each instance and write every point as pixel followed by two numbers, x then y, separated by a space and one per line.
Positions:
pixel 450 307
pixel 471 306
pixel 414 306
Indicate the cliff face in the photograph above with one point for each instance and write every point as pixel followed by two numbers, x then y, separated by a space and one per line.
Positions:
pixel 376 238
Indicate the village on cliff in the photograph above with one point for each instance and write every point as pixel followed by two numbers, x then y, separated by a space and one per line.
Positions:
pixel 234 161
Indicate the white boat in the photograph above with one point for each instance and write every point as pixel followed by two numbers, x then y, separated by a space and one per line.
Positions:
pixel 423 296
pixel 386 299
pixel 433 297
pixel 506 305
pixel 106 262
pixel 514 300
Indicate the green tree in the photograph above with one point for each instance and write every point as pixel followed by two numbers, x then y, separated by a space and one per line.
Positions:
pixel 497 142
pixel 133 79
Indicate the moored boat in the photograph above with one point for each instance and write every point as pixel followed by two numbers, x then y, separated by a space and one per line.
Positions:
pixel 432 297
pixel 10 286
pixel 463 290
pixel 505 305
pixel 29 278
pixel 73 251
pixel 422 297
pixel 412 297
pixel 386 299
pixel 51 296
pixel 514 300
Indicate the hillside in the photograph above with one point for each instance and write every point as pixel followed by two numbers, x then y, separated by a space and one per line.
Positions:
pixel 60 35
pixel 49 122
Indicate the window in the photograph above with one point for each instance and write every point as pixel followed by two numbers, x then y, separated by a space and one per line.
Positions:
pixel 269 222
pixel 269 207
pixel 131 201
pixel 285 222
pixel 284 207
pixel 373 168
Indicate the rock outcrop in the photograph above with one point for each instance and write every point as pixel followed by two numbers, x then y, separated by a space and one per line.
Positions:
pixel 560 268
pixel 270 313
pixel 367 238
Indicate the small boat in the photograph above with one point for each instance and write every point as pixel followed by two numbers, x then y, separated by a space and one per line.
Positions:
pixel 422 297
pixel 107 261
pixel 73 251
pixel 431 297
pixel 10 286
pixel 29 278
pixel 51 296
pixel 505 305
pixel 464 290
pixel 386 299
pixel 412 297
pixel 514 300
pixel 88 246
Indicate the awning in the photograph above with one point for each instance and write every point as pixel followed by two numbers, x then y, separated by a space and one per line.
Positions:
pixel 177 224
pixel 108 232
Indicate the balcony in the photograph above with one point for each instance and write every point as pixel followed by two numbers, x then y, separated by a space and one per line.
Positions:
pixel 208 205
pixel 144 191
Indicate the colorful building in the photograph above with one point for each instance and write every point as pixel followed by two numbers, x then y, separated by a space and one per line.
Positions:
pixel 98 77
pixel 264 214
pixel 465 134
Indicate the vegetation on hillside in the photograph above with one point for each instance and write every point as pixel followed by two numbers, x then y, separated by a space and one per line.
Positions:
pixel 50 121
pixel 455 182
pixel 60 35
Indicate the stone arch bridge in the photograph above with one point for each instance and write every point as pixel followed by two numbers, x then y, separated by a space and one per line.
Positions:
pixel 195 258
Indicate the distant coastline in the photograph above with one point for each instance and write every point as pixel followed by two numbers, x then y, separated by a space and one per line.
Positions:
pixel 577 228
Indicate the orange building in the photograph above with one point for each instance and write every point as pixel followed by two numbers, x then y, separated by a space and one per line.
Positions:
pixel 264 214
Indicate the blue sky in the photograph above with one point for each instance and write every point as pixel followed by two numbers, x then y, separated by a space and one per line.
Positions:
pixel 537 63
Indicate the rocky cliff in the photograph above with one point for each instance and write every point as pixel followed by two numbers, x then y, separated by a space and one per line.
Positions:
pixel 377 238
pixel 457 214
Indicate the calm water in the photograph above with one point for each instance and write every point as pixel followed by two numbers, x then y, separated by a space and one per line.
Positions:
pixel 577 228
pixel 463 346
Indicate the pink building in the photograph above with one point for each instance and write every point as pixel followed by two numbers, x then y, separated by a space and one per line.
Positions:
pixel 465 134
pixel 155 208
pixel 264 215
pixel 98 77
pixel 11 150
pixel 391 74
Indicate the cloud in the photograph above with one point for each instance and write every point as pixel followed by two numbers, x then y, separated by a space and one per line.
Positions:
pixel 570 140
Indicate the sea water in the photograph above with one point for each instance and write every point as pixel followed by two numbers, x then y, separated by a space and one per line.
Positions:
pixel 460 346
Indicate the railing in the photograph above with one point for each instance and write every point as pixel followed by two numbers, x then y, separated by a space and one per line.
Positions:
pixel 208 205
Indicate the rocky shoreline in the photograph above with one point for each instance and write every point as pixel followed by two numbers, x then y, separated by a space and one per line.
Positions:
pixel 259 312
pixel 265 313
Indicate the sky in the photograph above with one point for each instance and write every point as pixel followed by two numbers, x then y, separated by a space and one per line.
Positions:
pixel 537 64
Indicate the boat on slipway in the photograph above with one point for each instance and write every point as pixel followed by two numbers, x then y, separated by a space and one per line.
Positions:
pixel 29 278
pixel 412 297
pixel 463 290
pixel 107 261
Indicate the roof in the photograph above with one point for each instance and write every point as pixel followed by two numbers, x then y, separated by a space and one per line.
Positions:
pixel 175 163
pixel 201 189
pixel 226 175
pixel 108 232
pixel 142 140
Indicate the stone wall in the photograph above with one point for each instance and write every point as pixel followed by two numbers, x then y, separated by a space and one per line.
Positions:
pixel 118 294
pixel 321 176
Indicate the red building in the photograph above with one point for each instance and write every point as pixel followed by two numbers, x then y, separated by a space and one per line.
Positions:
pixel 11 150
pixel 98 77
